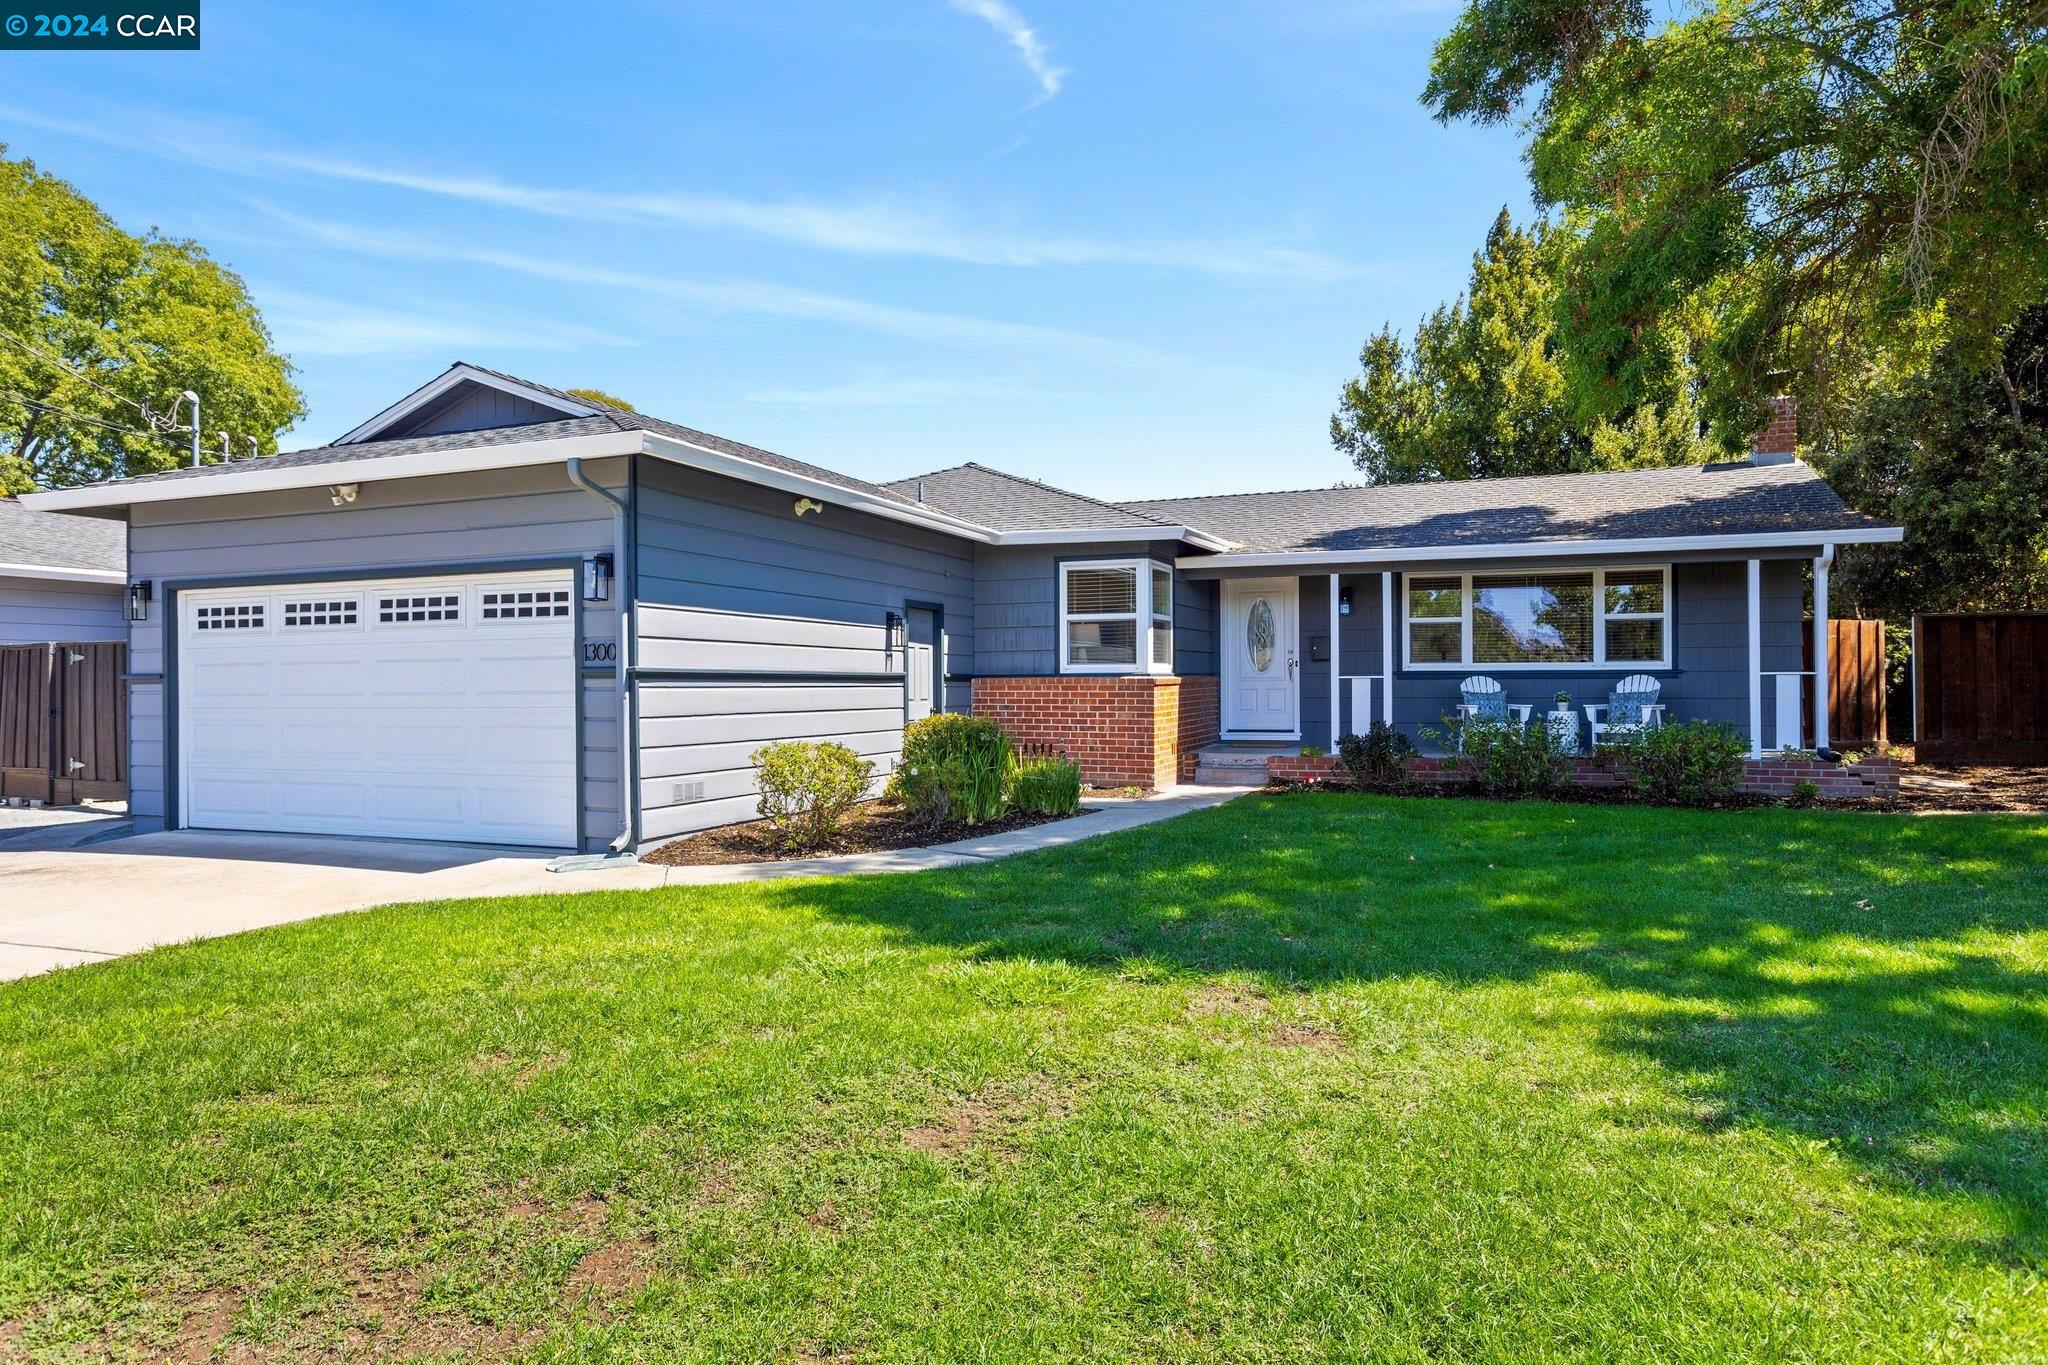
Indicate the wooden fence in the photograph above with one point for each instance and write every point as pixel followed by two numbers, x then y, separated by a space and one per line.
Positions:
pixel 1856 684
pixel 64 722
pixel 1981 688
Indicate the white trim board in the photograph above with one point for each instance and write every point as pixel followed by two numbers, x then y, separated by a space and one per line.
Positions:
pixel 1425 556
pixel 54 575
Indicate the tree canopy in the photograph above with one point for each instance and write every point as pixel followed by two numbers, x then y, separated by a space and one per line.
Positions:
pixel 1848 185
pixel 96 322
pixel 1482 390
pixel 600 396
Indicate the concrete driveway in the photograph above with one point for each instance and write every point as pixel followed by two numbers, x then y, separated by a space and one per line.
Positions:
pixel 63 904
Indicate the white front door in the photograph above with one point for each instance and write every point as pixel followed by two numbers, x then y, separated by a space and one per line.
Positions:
pixel 419 708
pixel 1261 658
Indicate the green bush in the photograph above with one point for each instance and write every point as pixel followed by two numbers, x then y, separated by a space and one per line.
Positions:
pixel 1047 784
pixel 1377 758
pixel 1686 763
pixel 1514 760
pixel 1804 793
pixel 1311 751
pixel 807 788
pixel 955 770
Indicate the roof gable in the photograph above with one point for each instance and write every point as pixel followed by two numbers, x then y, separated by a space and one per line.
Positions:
pixel 467 397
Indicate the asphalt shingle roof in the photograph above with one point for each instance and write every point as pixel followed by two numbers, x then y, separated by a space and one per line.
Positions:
pixel 53 540
pixel 1007 502
pixel 1693 500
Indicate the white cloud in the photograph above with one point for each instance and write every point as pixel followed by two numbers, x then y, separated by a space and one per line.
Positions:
pixel 882 391
pixel 874 227
pixel 305 325
pixel 743 296
pixel 1030 47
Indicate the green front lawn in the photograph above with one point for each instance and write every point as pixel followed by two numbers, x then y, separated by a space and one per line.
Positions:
pixel 1303 1077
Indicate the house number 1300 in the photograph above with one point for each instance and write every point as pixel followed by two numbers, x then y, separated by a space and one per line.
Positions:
pixel 600 652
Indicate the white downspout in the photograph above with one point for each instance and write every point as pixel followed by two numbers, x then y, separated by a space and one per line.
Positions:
pixel 623 586
pixel 1820 645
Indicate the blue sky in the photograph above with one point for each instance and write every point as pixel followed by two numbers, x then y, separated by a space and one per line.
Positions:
pixel 1131 248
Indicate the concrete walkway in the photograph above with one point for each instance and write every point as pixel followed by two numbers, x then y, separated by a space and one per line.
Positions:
pixel 64 906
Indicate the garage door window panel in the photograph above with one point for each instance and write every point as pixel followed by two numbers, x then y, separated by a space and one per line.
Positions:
pixel 419 608
pixel 327 613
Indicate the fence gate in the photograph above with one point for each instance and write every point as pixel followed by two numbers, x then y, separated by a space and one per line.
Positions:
pixel 1856 684
pixel 1981 688
pixel 63 722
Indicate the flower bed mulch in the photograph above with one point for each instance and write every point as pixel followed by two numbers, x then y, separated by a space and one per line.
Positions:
pixel 872 827
pixel 1923 789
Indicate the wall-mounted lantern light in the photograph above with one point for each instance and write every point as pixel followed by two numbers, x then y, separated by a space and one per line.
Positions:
pixel 893 631
pixel 1344 602
pixel 597 578
pixel 139 593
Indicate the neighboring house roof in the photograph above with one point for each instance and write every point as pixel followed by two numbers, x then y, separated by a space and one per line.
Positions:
pixel 1733 500
pixel 1008 502
pixel 52 545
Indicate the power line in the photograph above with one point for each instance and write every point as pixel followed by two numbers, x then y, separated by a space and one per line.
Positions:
pixel 46 357
pixel 53 410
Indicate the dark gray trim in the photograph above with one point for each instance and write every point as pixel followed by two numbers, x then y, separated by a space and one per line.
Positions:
pixel 174 795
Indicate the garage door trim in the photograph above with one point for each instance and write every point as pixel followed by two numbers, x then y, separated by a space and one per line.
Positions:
pixel 174 812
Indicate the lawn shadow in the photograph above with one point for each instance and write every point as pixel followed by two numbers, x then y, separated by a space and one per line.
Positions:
pixel 1837 976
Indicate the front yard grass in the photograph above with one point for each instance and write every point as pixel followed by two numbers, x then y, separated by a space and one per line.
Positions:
pixel 1309 1076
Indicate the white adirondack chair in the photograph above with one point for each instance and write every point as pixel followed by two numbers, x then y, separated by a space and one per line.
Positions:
pixel 1486 703
pixel 1635 686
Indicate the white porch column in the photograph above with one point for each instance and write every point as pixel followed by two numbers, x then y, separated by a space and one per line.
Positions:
pixel 1820 646
pixel 1336 657
pixel 1756 658
pixel 1387 645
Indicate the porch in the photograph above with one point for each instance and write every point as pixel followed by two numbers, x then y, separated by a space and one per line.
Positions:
pixel 1304 658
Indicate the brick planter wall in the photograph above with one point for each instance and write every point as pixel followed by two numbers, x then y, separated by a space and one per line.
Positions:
pixel 1123 731
pixel 1763 776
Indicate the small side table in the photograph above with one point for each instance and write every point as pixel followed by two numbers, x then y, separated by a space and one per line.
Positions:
pixel 1564 727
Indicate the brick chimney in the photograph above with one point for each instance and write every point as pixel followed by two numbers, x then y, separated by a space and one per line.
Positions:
pixel 1778 442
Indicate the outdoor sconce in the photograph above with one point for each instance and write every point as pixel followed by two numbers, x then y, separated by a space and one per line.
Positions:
pixel 597 578
pixel 139 593
pixel 1344 602
pixel 893 631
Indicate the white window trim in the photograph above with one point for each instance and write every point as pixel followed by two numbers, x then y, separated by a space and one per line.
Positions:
pixel 1141 573
pixel 1601 616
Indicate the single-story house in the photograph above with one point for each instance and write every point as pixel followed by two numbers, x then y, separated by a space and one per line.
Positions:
pixel 499 612
pixel 60 577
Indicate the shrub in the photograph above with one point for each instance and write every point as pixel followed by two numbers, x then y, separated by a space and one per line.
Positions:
pixel 1047 784
pixel 1804 793
pixel 955 770
pixel 1686 763
pixel 807 788
pixel 1311 751
pixel 1377 758
pixel 1513 760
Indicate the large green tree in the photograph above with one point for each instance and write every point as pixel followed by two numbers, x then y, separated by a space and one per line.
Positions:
pixel 1481 391
pixel 96 322
pixel 1957 453
pixel 1849 185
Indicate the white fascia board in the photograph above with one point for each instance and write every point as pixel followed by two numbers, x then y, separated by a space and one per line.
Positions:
pixel 50 574
pixel 255 478
pixel 788 481
pixel 1547 549
pixel 1110 535
pixel 448 379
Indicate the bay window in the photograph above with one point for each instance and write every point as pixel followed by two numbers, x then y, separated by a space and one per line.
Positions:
pixel 1552 618
pixel 1116 616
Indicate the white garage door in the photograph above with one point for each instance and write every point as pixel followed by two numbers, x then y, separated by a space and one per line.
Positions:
pixel 410 708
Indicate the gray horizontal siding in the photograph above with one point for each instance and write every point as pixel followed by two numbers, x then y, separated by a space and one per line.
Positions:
pixel 1017 607
pixel 445 522
pixel 38 611
pixel 731 582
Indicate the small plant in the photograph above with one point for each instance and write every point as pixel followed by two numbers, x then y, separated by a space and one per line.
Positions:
pixel 807 788
pixel 1563 700
pixel 955 770
pixel 1804 793
pixel 1377 758
pixel 1047 784
pixel 1311 751
pixel 1792 753
pixel 1686 763
pixel 1509 760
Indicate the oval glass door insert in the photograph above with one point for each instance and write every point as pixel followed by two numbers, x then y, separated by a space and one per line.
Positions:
pixel 1258 633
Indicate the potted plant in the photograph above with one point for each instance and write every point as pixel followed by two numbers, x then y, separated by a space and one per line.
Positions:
pixel 1564 701
pixel 1563 723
